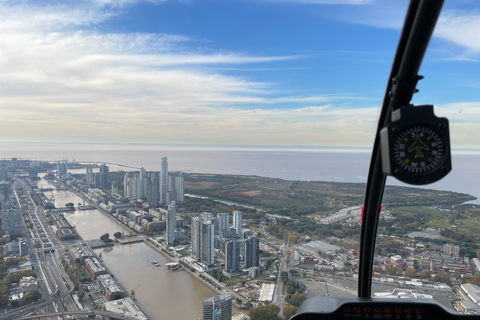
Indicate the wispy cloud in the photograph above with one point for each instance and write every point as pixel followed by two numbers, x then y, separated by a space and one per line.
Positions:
pixel 458 27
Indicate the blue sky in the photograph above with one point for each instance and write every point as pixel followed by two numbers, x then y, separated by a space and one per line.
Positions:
pixel 246 72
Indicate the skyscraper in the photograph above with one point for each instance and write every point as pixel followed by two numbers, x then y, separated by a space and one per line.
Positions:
pixel 196 236
pixel 61 168
pixel 114 188
pixel 89 175
pixel 164 180
pixel 218 308
pixel 180 196
pixel 231 255
pixel 103 180
pixel 203 233
pixel 127 187
pixel 171 222
pixel 252 252
pixel 207 250
pixel 153 188
pixel 237 222
pixel 223 221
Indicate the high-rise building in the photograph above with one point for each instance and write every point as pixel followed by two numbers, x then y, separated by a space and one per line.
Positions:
pixel 223 221
pixel 127 188
pixel 206 215
pixel 171 187
pixel 203 233
pixel 164 180
pixel 89 175
pixel 114 188
pixel 179 186
pixel 153 188
pixel 61 168
pixel 171 222
pixel 231 255
pixel 34 168
pixel 218 308
pixel 207 251
pixel 237 222
pixel 196 236
pixel 252 252
pixel 102 179
pixel 12 221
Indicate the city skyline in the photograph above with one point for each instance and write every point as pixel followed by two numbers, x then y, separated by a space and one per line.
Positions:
pixel 313 73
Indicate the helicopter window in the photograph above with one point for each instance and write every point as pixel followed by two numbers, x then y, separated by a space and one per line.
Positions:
pixel 257 119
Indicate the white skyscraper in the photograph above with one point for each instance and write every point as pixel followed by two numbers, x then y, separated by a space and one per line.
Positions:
pixel 171 222
pixel 164 180
pixel 196 239
pixel 179 186
pixel 223 221
pixel 237 222
pixel 203 232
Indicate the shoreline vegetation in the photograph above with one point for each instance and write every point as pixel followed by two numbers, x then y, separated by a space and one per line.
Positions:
pixel 301 198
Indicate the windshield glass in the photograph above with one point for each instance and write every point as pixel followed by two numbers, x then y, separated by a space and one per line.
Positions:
pixel 198 159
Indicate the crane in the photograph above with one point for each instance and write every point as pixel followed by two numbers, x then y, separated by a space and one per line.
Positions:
pixel 132 292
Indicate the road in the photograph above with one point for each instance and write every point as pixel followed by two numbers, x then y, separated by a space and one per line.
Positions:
pixel 278 299
pixel 55 285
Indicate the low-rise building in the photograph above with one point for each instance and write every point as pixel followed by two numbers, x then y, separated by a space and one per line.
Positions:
pixel 28 284
pixel 79 252
pixel 68 234
pixel 112 290
pixel 125 307
pixel 94 267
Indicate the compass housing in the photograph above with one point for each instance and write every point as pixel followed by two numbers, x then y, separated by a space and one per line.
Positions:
pixel 415 146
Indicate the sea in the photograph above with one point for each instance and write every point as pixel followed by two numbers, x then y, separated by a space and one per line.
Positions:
pixel 338 164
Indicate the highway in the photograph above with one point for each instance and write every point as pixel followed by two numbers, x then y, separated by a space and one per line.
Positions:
pixel 78 313
pixel 55 285
pixel 277 294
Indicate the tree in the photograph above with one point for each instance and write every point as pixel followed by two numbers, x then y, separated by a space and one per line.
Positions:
pixel 425 275
pixel 410 272
pixel 117 234
pixel 220 276
pixel 30 297
pixel 269 312
pixel 290 289
pixel 105 237
pixel 37 245
pixel 288 253
pixel 297 299
pixel 287 261
pixel 293 272
pixel 49 206
pixel 441 277
pixel 458 275
pixel 80 294
pixel 478 254
pixel 289 311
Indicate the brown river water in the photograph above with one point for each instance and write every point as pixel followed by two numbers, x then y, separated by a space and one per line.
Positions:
pixel 162 294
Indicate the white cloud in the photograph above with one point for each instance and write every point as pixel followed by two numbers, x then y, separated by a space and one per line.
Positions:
pixel 61 81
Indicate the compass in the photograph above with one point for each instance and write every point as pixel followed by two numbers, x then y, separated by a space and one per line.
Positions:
pixel 416 146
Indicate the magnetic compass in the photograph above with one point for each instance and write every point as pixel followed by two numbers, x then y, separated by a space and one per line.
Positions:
pixel 416 146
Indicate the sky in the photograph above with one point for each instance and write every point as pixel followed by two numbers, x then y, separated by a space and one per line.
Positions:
pixel 229 72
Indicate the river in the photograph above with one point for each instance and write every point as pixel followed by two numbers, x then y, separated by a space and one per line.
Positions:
pixel 163 294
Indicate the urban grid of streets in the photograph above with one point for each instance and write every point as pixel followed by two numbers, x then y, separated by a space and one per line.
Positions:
pixel 56 285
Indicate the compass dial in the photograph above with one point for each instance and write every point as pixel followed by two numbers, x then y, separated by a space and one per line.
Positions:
pixel 419 150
